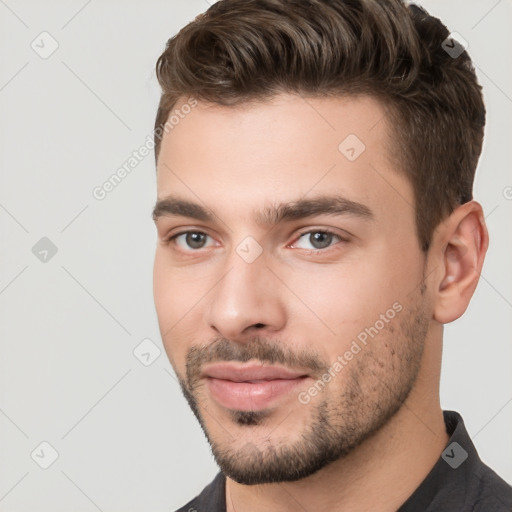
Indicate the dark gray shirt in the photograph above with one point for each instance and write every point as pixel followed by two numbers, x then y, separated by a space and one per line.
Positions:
pixel 458 482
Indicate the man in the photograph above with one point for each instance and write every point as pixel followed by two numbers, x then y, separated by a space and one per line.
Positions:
pixel 316 226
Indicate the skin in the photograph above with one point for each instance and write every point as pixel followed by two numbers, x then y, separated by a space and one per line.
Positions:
pixel 382 410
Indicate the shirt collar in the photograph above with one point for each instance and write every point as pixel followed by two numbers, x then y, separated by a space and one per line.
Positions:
pixel 453 471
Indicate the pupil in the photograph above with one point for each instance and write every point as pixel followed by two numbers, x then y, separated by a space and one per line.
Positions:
pixel 317 237
pixel 195 240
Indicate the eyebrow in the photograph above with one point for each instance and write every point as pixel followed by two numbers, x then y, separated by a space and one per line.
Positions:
pixel 300 209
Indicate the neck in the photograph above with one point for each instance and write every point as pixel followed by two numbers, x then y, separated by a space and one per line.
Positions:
pixel 381 473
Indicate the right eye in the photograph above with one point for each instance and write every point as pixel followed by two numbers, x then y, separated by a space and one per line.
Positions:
pixel 192 239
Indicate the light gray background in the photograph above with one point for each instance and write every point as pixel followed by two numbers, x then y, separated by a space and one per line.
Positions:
pixel 125 438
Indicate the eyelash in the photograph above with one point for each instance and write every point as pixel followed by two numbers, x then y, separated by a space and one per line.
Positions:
pixel 172 238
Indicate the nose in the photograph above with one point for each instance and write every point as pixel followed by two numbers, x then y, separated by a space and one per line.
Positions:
pixel 247 298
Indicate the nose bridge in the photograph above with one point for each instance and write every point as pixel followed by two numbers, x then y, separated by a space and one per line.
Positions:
pixel 246 294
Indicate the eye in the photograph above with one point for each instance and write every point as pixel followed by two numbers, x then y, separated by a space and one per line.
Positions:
pixel 320 239
pixel 192 239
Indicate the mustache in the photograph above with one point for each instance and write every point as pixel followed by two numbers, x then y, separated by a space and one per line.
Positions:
pixel 222 349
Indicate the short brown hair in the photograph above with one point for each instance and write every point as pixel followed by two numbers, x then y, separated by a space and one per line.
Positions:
pixel 244 50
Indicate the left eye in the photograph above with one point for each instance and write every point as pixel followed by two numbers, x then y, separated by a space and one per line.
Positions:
pixel 319 239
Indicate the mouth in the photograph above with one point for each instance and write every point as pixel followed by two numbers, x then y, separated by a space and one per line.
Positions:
pixel 251 386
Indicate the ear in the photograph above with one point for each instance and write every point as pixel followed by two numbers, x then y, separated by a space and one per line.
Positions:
pixel 463 241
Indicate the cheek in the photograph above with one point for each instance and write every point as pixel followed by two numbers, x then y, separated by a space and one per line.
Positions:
pixel 162 291
pixel 175 290
pixel 340 302
pixel 174 302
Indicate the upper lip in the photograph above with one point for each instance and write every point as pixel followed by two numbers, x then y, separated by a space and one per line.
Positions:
pixel 250 372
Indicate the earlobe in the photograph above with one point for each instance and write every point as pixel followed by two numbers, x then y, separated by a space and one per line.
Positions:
pixel 465 241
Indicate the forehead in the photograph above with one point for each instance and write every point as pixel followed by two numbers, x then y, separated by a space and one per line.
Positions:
pixel 240 158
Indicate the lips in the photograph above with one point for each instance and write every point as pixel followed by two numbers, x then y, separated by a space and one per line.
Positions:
pixel 246 373
pixel 250 387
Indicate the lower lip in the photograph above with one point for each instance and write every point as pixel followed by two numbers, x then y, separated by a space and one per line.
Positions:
pixel 250 396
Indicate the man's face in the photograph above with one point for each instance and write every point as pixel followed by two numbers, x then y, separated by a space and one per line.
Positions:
pixel 296 338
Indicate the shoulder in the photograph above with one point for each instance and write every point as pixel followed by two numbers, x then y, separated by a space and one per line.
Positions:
pixel 492 493
pixel 211 499
pixel 191 506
